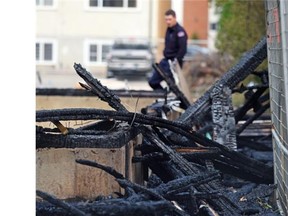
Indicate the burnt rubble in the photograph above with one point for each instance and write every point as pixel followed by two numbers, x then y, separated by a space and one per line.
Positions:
pixel 191 173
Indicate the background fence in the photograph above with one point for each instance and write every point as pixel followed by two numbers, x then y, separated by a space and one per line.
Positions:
pixel 277 40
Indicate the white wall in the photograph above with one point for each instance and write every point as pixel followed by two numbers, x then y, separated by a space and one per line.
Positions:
pixel 75 18
pixel 213 17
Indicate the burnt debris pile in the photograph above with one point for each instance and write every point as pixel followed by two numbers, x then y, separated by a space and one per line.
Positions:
pixel 202 163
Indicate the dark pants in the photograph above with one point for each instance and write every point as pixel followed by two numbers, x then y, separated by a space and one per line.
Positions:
pixel 156 78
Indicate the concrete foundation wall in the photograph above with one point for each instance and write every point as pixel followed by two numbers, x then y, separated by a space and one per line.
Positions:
pixel 57 172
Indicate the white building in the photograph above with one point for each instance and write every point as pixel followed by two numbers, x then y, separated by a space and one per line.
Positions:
pixel 82 31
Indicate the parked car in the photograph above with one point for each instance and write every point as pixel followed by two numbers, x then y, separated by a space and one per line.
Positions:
pixel 193 50
pixel 130 57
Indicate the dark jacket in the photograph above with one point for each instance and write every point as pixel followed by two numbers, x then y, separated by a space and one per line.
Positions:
pixel 175 43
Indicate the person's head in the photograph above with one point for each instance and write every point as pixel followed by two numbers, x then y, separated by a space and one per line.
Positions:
pixel 170 18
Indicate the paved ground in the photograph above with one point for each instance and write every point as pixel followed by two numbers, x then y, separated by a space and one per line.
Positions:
pixel 52 80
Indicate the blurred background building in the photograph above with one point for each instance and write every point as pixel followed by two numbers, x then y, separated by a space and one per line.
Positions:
pixel 83 31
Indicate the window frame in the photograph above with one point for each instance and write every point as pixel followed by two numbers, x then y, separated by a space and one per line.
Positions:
pixel 41 60
pixel 125 7
pixel 212 25
pixel 41 6
pixel 99 43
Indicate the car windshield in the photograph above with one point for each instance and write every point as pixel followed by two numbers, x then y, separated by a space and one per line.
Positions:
pixel 130 46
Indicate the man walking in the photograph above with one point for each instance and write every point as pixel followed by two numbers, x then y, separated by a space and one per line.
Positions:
pixel 175 48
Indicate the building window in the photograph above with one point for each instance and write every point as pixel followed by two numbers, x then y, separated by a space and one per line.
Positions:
pixel 93 3
pixel 213 26
pixel 46 4
pixel 46 52
pixel 96 51
pixel 93 53
pixel 48 49
pixel 37 51
pixel 105 50
pixel 132 3
pixel 113 3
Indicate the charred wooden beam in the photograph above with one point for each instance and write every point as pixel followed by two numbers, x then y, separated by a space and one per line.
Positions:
pixel 192 206
pixel 236 170
pixel 107 169
pixel 156 156
pixel 59 203
pixel 116 139
pixel 196 153
pixel 111 207
pixel 247 64
pixel 181 184
pixel 205 209
pixel 259 170
pixel 240 113
pixel 182 164
pixel 92 114
pixel 153 195
pixel 254 144
pixel 84 132
pixel 260 192
pixel 98 89
pixel 197 150
pixel 154 181
pixel 199 195
pixel 223 117
pixel 192 157
pixel 83 93
pixel 263 75
pixel 252 118
pixel 166 170
pixel 265 98
pixel 250 211
pixel 206 128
